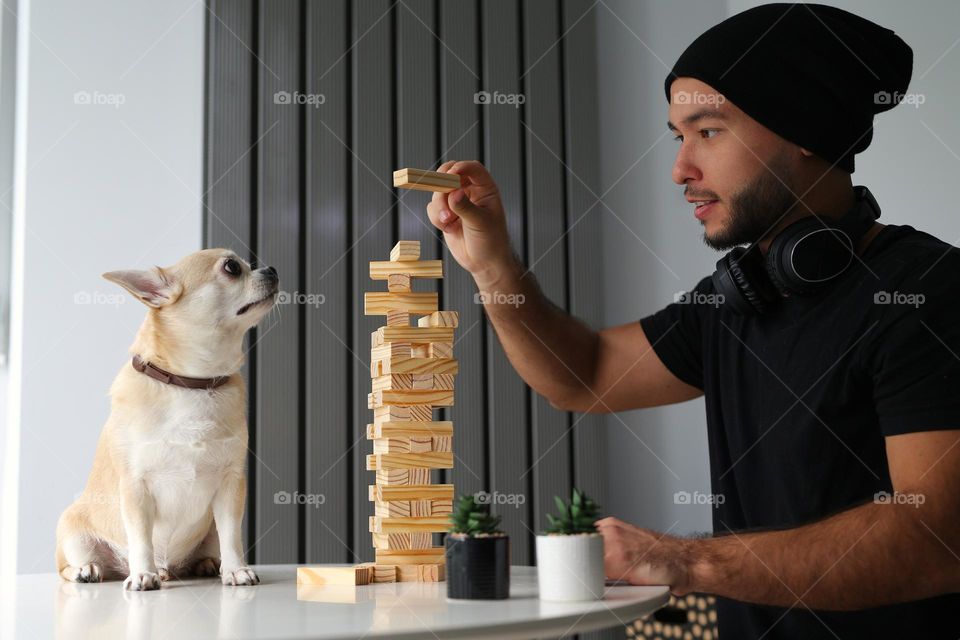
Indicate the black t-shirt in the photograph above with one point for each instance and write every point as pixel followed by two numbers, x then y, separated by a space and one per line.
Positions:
pixel 799 400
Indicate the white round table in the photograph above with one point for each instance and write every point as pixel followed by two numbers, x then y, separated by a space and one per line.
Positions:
pixel 46 607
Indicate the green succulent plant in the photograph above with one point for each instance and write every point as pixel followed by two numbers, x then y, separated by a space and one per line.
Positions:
pixel 575 516
pixel 471 518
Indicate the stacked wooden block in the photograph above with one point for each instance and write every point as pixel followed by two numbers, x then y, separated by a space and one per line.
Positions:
pixel 412 370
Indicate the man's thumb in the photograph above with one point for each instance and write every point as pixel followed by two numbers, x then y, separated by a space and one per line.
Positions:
pixel 463 207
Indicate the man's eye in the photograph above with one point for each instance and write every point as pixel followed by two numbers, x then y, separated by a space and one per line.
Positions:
pixel 702 132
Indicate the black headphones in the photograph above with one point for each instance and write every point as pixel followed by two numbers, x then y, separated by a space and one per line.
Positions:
pixel 802 258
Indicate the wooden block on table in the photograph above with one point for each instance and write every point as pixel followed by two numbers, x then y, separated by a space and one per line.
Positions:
pixel 334 574
pixel 398 319
pixel 389 493
pixel 433 555
pixel 423 180
pixel 380 303
pixel 427 460
pixel 391 350
pixel 412 508
pixel 440 319
pixel 405 250
pixel 414 335
pixel 431 524
pixel 402 477
pixel 437 350
pixel 411 413
pixel 416 444
pixel 380 573
pixel 398 283
pixel 415 540
pixel 432 397
pixel 421 572
pixel 401 429
pixel 420 381
pixel 387 366
pixel 383 269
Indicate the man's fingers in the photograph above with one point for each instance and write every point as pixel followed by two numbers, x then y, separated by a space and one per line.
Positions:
pixel 439 215
pixel 463 207
pixel 472 171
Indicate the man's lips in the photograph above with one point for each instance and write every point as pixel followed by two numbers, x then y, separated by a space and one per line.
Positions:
pixel 703 208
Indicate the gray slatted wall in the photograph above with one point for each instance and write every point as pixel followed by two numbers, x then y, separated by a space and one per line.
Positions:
pixel 308 190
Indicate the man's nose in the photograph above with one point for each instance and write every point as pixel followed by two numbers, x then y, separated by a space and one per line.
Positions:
pixel 683 168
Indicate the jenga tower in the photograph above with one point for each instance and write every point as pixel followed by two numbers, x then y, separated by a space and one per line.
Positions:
pixel 412 371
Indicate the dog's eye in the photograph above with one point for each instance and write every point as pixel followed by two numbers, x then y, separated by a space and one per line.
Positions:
pixel 232 267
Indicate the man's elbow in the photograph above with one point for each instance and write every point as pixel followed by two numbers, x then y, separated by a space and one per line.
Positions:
pixel 578 403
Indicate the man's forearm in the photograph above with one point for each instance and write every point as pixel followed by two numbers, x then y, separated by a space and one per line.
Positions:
pixel 871 555
pixel 552 351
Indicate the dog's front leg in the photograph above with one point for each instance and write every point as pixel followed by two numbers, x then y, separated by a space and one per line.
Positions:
pixel 138 511
pixel 228 516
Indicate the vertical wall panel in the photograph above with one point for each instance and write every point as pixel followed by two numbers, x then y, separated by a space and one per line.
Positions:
pixel 460 81
pixel 230 171
pixel 503 153
pixel 306 185
pixel 373 214
pixel 278 523
pixel 329 420
pixel 418 143
pixel 546 254
pixel 581 130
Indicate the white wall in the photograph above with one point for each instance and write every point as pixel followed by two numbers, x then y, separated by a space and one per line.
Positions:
pixel 106 187
pixel 910 171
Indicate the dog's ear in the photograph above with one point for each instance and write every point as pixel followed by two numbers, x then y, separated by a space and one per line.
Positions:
pixel 154 287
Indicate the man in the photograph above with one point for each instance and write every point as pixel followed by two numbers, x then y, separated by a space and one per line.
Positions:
pixel 829 362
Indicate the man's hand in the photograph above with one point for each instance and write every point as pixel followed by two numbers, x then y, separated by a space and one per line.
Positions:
pixel 473 222
pixel 641 556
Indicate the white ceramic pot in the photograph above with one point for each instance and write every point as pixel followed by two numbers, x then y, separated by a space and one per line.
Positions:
pixel 570 567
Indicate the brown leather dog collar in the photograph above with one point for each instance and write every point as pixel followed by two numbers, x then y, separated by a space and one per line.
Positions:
pixel 162 375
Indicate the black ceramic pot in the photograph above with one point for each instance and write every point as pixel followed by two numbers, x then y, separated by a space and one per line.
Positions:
pixel 478 568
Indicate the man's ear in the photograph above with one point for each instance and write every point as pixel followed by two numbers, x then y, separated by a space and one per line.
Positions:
pixel 154 287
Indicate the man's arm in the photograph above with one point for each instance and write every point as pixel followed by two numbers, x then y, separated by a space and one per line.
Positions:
pixel 560 357
pixel 871 555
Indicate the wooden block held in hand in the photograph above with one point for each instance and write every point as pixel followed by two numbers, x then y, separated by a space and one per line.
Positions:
pixel 423 180
pixel 405 250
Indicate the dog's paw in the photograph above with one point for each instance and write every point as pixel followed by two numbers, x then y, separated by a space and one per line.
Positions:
pixel 146 581
pixel 87 573
pixel 240 576
pixel 206 567
pixel 164 574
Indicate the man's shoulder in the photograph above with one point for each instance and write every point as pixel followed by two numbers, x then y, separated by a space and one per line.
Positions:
pixel 901 253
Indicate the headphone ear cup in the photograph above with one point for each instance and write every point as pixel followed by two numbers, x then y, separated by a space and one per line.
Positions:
pixel 807 255
pixel 740 279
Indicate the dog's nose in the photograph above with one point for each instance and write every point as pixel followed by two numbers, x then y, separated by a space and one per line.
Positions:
pixel 270 273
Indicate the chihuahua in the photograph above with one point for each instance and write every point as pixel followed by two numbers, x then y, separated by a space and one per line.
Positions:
pixel 166 494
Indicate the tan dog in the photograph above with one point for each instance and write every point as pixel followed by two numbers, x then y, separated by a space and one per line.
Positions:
pixel 166 493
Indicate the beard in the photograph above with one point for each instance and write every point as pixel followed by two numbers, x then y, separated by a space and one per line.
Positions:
pixel 754 210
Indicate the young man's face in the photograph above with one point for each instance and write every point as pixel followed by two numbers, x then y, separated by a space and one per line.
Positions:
pixel 725 156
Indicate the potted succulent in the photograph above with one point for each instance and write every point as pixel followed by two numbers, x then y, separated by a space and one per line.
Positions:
pixel 477 553
pixel 570 552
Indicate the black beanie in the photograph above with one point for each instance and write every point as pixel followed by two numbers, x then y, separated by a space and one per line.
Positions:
pixel 814 75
